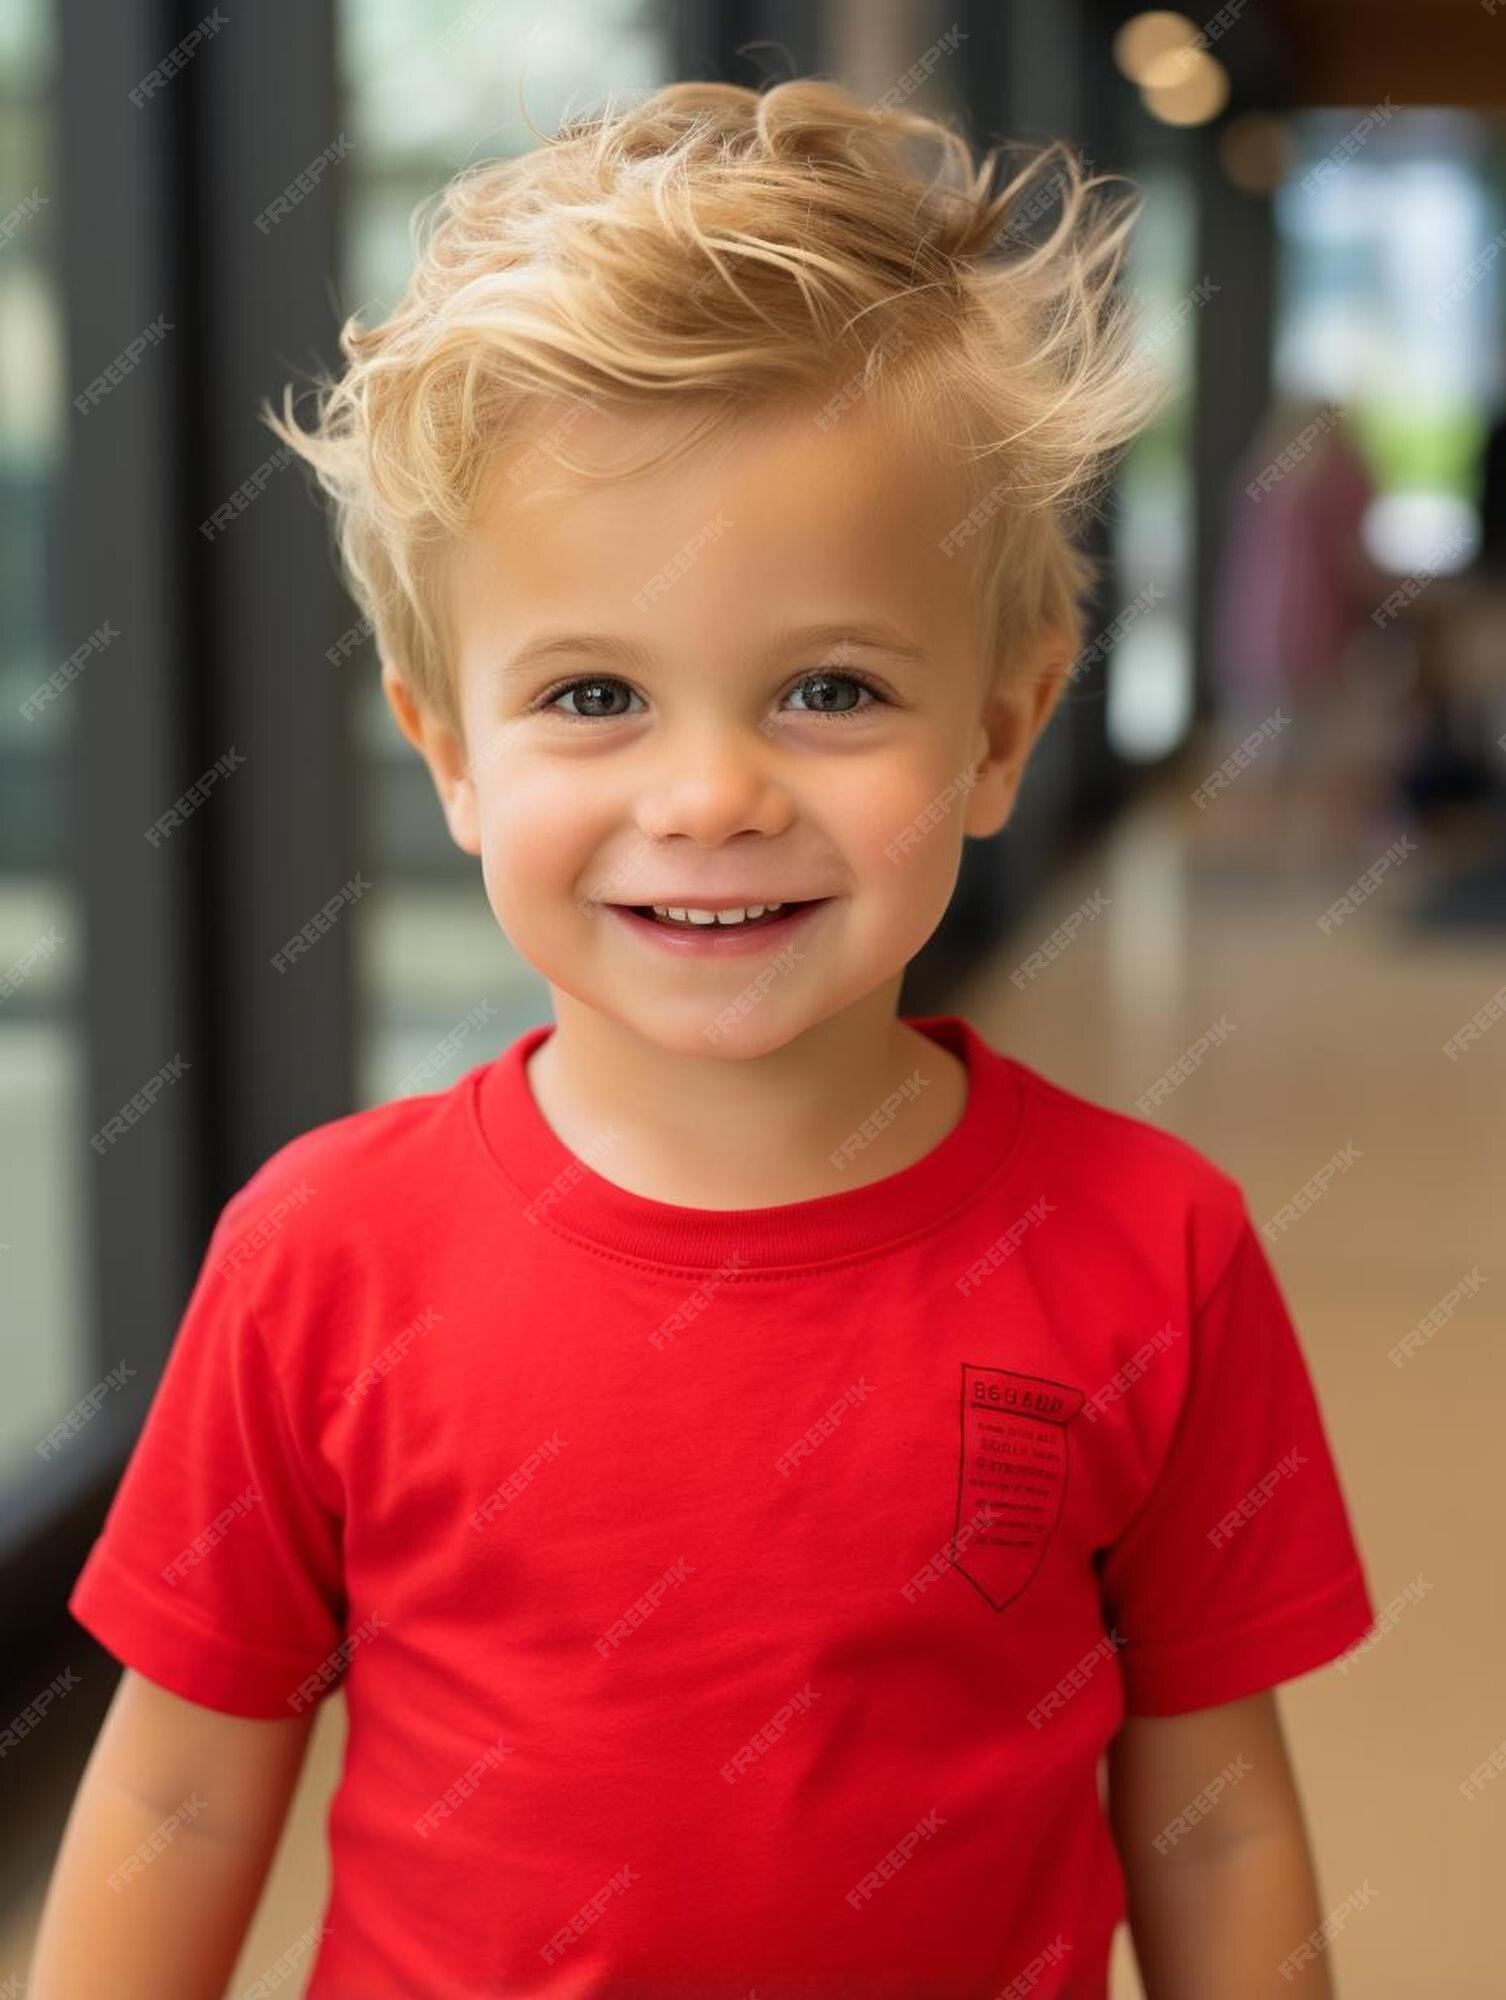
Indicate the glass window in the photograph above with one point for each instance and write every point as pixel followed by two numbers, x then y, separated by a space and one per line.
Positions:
pixel 47 1357
pixel 1150 663
pixel 1389 302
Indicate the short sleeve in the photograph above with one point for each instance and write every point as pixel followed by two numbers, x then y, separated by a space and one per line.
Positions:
pixel 217 1572
pixel 1240 1569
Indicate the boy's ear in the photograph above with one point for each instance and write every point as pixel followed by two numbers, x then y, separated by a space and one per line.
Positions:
pixel 1021 696
pixel 443 752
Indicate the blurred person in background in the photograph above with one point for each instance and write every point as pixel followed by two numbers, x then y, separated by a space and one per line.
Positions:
pixel 1293 597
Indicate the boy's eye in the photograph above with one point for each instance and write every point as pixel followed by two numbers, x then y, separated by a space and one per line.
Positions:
pixel 596 696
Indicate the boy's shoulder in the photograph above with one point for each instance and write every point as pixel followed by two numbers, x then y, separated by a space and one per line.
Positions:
pixel 1127 1177
pixel 365 1168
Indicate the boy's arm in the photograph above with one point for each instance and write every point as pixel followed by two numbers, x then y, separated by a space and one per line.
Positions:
pixel 1219 1875
pixel 166 1849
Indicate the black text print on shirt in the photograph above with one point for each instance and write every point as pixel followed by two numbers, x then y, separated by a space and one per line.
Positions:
pixel 1011 1476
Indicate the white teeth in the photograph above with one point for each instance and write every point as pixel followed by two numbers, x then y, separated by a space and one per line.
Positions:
pixel 693 916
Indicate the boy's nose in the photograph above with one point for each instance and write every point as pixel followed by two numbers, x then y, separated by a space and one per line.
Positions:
pixel 713 784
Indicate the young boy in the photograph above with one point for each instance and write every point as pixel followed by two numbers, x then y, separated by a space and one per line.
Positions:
pixel 746 1456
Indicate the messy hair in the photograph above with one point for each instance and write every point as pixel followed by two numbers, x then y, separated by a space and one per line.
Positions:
pixel 723 251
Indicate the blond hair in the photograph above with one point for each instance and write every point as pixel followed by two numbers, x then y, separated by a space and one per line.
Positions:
pixel 724 250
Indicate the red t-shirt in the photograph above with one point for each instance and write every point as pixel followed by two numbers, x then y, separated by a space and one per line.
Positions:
pixel 728 1601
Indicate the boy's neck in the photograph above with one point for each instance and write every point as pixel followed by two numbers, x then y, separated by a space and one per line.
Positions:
pixel 718 1132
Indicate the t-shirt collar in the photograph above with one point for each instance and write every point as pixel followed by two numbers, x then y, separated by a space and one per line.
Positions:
pixel 567 1195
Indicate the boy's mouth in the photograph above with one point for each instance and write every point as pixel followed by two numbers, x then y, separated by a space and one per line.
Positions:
pixel 714 929
pixel 740 917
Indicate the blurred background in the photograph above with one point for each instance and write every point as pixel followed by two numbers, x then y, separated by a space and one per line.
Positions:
pixel 1273 802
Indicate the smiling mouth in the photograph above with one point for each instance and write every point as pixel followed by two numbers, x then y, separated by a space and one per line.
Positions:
pixel 677 917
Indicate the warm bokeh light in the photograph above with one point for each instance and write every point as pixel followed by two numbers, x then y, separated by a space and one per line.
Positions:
pixel 1145 39
pixel 1255 152
pixel 1186 87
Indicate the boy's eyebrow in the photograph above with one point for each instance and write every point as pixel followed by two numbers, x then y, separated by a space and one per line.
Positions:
pixel 874 632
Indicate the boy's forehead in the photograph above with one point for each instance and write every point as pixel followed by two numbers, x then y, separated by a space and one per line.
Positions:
pixel 774 496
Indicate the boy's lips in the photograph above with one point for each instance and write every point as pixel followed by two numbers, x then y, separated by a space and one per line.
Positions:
pixel 715 940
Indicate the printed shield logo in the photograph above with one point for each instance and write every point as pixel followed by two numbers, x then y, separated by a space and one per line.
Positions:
pixel 1011 1478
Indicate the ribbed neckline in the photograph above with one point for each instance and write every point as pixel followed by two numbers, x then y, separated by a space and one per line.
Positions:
pixel 564 1194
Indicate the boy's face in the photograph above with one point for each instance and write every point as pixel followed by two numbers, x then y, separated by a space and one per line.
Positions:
pixel 699 767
